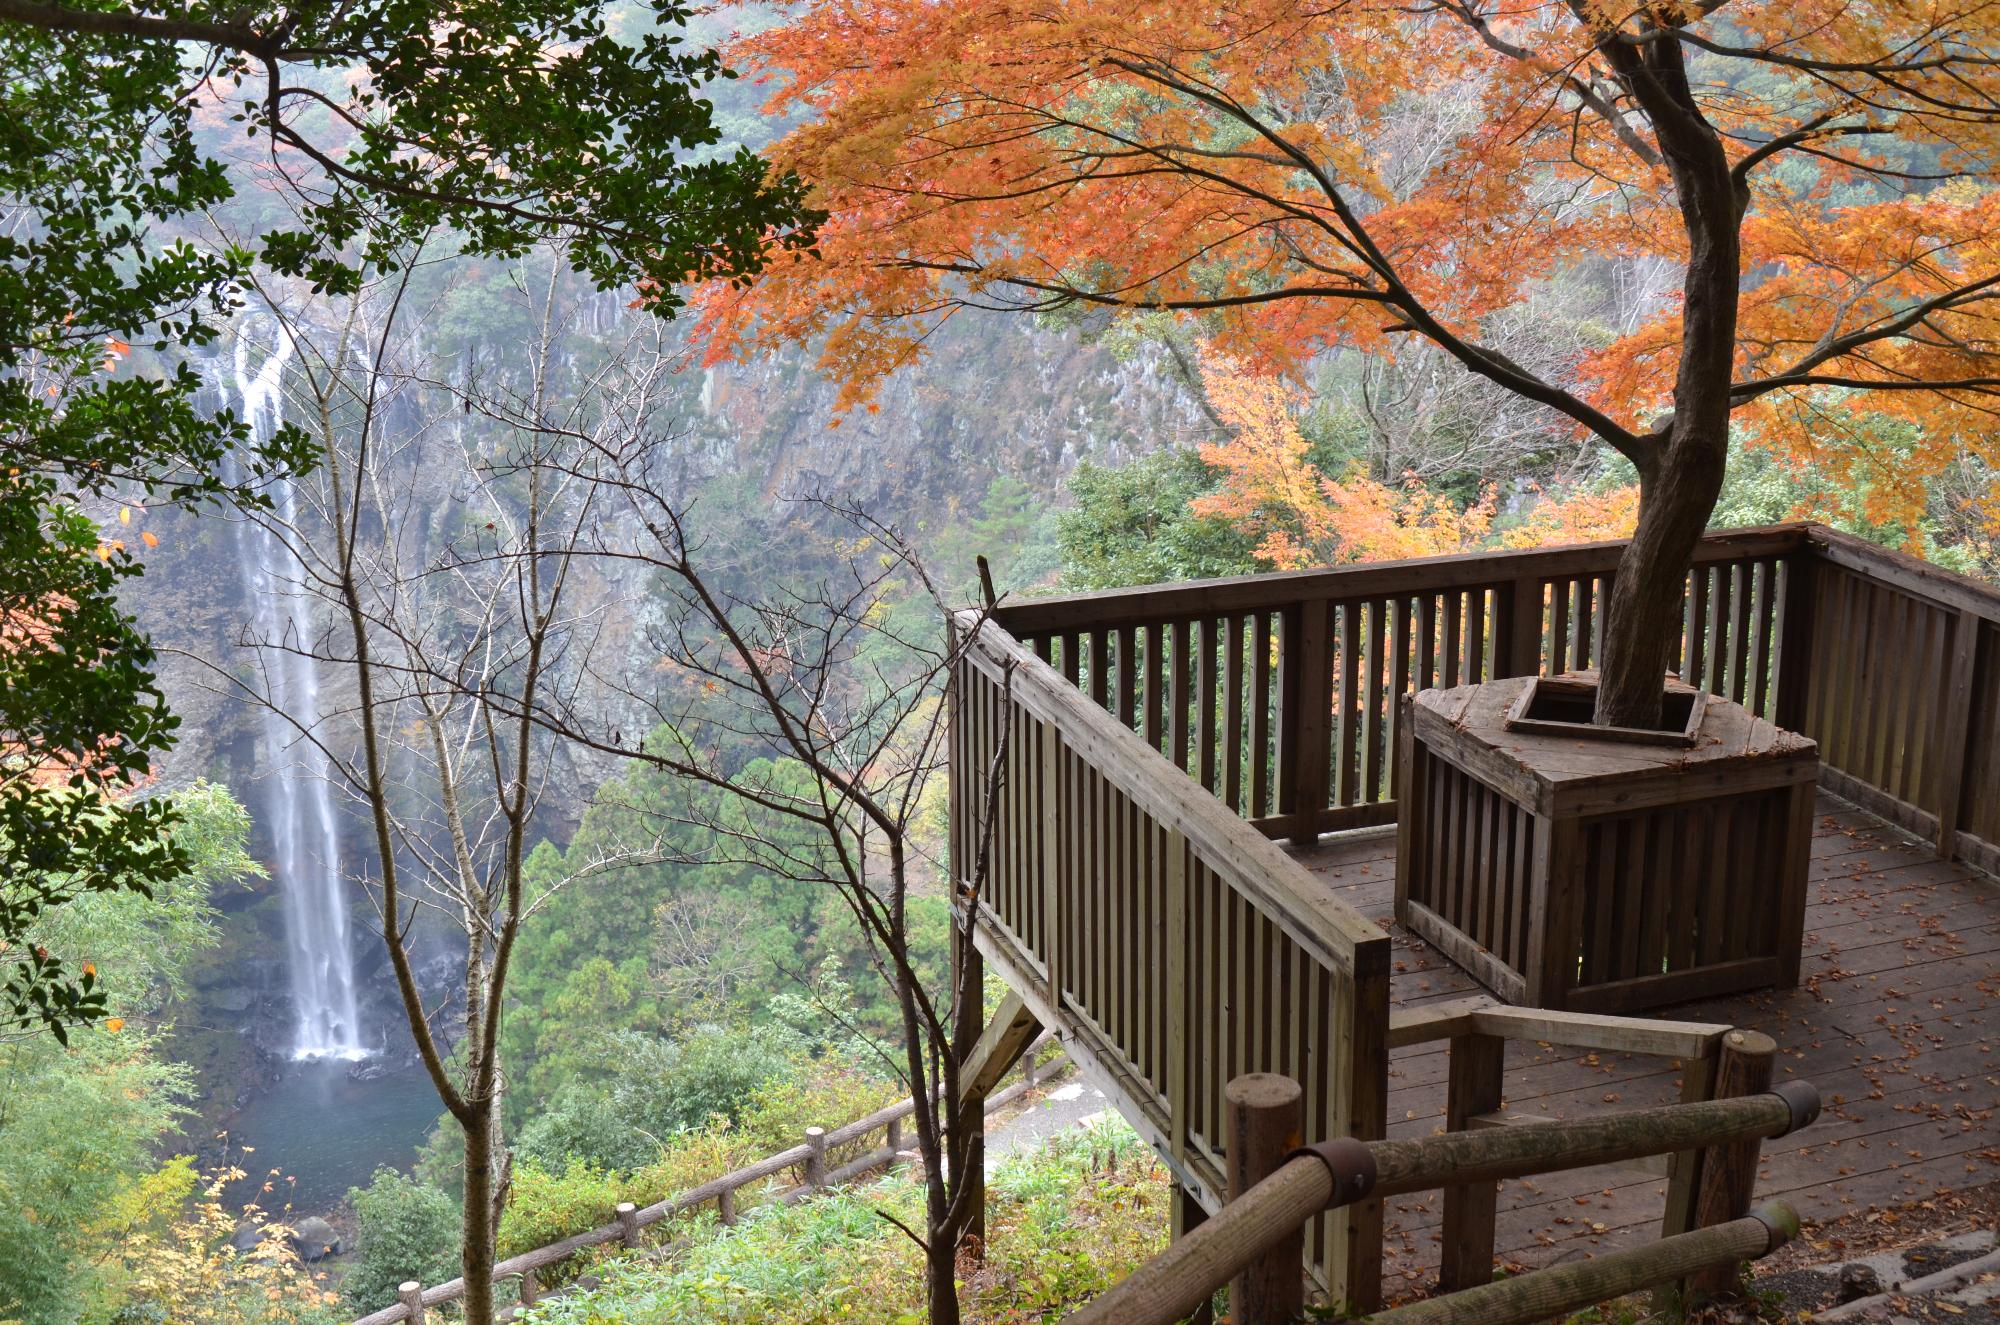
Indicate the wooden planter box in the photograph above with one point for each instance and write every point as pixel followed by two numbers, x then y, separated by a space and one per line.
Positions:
pixel 1599 875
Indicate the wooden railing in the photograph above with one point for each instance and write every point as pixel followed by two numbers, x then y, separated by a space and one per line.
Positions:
pixel 1168 943
pixel 1902 691
pixel 1141 735
pixel 629 1221
pixel 1710 1141
pixel 1279 694
pixel 1715 1062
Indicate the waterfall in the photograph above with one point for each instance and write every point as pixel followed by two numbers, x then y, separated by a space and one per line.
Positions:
pixel 297 791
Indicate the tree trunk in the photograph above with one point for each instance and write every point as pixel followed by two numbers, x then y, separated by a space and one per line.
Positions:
pixel 941 1268
pixel 477 1224
pixel 1682 462
pixel 1643 623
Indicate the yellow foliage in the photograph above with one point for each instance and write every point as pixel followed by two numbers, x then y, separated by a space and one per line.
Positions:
pixel 1300 516
pixel 170 1235
pixel 1577 517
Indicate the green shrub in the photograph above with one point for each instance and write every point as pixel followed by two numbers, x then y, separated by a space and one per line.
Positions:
pixel 407 1230
pixel 582 1123
pixel 669 1086
pixel 820 1261
pixel 545 1207
pixel 822 1094
pixel 1064 1223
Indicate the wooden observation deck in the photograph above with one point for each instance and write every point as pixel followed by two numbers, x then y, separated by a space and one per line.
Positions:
pixel 1154 746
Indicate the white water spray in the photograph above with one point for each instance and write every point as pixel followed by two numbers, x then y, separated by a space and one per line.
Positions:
pixel 297 790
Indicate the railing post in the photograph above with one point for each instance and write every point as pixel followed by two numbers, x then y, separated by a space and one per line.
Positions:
pixel 531 1289
pixel 1305 718
pixel 893 1134
pixel 1728 1174
pixel 1954 729
pixel 815 1157
pixel 1795 641
pixel 1698 1077
pixel 1266 1115
pixel 411 1294
pixel 1184 1216
pixel 628 1220
pixel 1478 1064
pixel 725 1207
pixel 1044 808
pixel 1519 649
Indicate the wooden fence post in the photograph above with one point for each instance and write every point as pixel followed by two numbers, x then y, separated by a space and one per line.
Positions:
pixel 628 1219
pixel 1478 1064
pixel 815 1157
pixel 1954 730
pixel 893 1134
pixel 1684 1168
pixel 725 1206
pixel 411 1294
pixel 1728 1174
pixel 531 1288
pixel 1266 1117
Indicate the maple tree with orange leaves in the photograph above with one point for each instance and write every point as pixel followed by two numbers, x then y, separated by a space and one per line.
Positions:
pixel 1819 173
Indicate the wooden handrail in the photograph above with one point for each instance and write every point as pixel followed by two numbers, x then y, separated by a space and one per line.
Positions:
pixel 1248 861
pixel 1278 693
pixel 1155 602
pixel 1553 1293
pixel 1901 688
pixel 1912 575
pixel 625 1226
pixel 1497 1154
pixel 1181 1278
pixel 1478 1014
pixel 1090 820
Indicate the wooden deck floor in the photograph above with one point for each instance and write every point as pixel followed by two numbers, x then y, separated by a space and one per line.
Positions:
pixel 1896 1020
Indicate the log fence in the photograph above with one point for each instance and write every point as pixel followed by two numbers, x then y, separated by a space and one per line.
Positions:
pixel 629 1221
pixel 1716 1062
pixel 1251 1243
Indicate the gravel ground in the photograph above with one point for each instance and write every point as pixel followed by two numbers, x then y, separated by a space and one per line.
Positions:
pixel 1067 1102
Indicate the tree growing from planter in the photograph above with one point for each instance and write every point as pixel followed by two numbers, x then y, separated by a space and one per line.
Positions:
pixel 1821 173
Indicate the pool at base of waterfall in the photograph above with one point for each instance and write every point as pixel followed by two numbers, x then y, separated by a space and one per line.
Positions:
pixel 324 1127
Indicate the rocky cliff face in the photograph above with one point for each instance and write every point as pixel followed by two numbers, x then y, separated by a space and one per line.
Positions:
pixel 996 397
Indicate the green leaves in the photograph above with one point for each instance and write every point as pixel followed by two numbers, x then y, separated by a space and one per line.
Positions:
pixel 80 718
pixel 512 123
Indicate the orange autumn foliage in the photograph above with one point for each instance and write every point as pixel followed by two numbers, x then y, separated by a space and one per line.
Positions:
pixel 1255 164
pixel 1576 517
pixel 1304 518
pixel 1301 516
